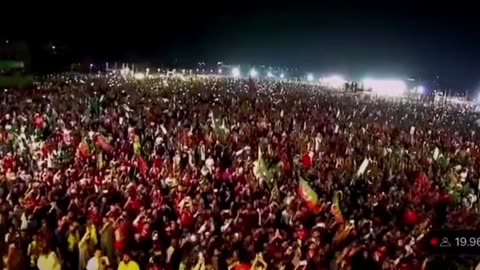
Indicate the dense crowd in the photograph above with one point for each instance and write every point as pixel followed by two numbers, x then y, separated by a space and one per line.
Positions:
pixel 98 173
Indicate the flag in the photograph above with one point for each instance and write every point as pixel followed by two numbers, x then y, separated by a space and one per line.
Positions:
pixel 363 167
pixel 100 162
pixel 142 165
pixel 164 130
pixel 83 150
pixel 222 131
pixel 261 169
pixel 420 188
pixel 306 161
pixel 443 162
pixel 137 146
pixel 307 193
pixel 436 153
pixel 410 217
pixel 242 266
pixel 102 142
pixel 335 210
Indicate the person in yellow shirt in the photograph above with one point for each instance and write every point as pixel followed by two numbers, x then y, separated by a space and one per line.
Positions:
pixel 48 260
pixel 127 263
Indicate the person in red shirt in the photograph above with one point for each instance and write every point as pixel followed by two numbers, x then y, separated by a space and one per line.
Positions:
pixel 120 237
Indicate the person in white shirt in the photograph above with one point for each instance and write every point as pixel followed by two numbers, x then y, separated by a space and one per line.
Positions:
pixel 97 262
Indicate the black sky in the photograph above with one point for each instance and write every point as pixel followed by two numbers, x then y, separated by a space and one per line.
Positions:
pixel 414 39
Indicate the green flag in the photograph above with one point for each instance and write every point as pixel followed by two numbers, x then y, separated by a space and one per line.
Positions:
pixel 307 193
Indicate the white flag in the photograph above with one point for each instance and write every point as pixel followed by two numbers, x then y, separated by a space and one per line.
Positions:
pixel 363 167
pixel 164 130
pixel 318 140
pixel 436 153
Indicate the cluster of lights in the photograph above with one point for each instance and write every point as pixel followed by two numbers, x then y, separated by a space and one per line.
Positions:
pixel 334 81
pixel 385 87
pixel 420 90
pixel 236 72
pixel 253 73
pixel 139 76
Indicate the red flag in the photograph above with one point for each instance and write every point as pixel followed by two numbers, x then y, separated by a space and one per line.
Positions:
pixel 420 188
pixel 83 151
pixel 306 161
pixel 410 217
pixel 242 266
pixel 142 165
pixel 101 142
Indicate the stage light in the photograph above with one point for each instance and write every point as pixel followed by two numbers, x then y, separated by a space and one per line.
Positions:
pixel 139 76
pixel 421 89
pixel 219 71
pixel 335 81
pixel 393 88
pixel 236 72
pixel 282 76
pixel 310 77
pixel 124 71
pixel 253 73
pixel 269 74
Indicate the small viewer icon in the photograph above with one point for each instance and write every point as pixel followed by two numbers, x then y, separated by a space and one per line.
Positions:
pixel 445 242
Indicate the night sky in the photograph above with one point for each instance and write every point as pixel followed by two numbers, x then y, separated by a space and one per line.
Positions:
pixel 412 40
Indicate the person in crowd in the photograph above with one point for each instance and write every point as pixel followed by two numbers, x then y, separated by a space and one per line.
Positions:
pixel 48 260
pixel 98 262
pixel 127 263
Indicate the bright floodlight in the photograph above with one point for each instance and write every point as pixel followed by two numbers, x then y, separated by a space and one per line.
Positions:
pixel 269 74
pixel 139 76
pixel 393 88
pixel 282 76
pixel 421 89
pixel 236 72
pixel 335 81
pixel 253 73
pixel 310 77
pixel 219 71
